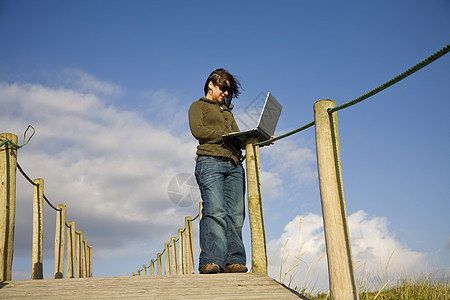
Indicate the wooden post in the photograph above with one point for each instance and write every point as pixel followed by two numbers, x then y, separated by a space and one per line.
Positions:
pixel 173 255
pixel 144 270
pixel 337 237
pixel 85 259
pixel 189 245
pixel 89 270
pixel 152 267
pixel 166 259
pixel 70 262
pixel 79 235
pixel 60 240
pixel 255 211
pixel 38 227
pixel 8 164
pixel 158 264
pixel 181 253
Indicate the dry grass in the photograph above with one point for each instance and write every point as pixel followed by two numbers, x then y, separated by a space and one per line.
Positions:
pixel 430 286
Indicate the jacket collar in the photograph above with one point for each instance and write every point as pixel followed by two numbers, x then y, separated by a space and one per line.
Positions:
pixel 213 102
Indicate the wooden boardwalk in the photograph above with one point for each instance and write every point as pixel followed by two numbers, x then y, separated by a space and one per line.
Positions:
pixel 195 286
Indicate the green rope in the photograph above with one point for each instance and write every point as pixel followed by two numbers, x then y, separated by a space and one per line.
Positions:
pixel 25 175
pixel 285 135
pixel 9 143
pixel 15 146
pixel 378 89
pixel 394 80
pixel 51 205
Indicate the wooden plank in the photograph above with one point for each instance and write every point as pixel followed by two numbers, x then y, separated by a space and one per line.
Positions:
pixel 192 286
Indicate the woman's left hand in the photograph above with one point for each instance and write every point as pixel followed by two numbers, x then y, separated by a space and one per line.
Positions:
pixel 271 143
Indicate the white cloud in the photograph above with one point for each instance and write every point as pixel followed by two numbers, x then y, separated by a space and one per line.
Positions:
pixel 271 185
pixel 86 83
pixel 110 167
pixel 372 246
pixel 291 158
pixel 165 110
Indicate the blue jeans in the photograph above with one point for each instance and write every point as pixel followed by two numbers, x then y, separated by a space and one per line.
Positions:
pixel 222 187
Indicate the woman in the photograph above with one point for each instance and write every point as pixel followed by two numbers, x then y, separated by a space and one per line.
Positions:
pixel 220 176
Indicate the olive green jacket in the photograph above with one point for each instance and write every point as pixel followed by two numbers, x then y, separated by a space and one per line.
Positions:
pixel 208 121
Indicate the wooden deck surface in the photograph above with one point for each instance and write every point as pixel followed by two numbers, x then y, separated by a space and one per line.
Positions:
pixel 195 286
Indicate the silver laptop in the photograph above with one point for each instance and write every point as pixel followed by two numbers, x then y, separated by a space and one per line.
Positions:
pixel 266 126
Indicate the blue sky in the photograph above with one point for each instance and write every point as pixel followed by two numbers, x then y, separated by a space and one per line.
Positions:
pixel 107 85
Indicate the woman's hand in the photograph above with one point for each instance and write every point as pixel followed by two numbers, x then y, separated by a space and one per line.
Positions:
pixel 271 143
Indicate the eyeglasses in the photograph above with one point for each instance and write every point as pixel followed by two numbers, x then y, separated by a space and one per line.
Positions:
pixel 224 88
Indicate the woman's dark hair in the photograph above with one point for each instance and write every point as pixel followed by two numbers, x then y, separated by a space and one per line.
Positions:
pixel 219 78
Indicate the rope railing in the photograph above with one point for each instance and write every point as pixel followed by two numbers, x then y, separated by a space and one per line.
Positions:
pixel 179 261
pixel 328 163
pixel 78 254
pixel 285 135
pixel 394 80
pixel 326 137
pixel 25 175
pixel 35 184
pixel 338 248
pixel 376 90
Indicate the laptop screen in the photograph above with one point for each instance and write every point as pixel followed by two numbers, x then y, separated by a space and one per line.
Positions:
pixel 269 116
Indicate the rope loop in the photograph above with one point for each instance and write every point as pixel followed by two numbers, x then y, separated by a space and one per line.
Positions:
pixel 15 146
pixel 25 134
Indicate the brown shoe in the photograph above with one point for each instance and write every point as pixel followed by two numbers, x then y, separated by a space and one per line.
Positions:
pixel 236 268
pixel 210 268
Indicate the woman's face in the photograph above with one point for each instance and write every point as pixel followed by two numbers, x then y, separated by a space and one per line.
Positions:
pixel 217 93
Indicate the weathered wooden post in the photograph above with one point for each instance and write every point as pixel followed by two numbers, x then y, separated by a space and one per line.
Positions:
pixel 189 245
pixel 158 264
pixel 255 211
pixel 85 259
pixel 60 240
pixel 89 270
pixel 8 164
pixel 166 259
pixel 181 252
pixel 38 230
pixel 70 269
pixel 337 237
pixel 79 235
pixel 173 255
pixel 152 267
pixel 144 270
